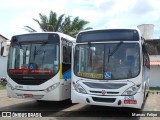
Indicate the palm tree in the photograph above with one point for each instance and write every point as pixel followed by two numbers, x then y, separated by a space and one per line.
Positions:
pixel 47 24
pixel 59 24
pixel 72 27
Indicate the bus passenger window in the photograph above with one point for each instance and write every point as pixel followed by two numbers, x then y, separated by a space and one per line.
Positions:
pixel 66 54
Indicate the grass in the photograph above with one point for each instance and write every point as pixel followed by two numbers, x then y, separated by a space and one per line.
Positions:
pixel 154 88
pixel 2 87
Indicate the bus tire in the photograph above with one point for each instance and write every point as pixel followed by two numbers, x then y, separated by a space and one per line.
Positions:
pixel 144 98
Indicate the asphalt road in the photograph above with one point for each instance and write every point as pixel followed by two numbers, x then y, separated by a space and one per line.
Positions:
pixel 65 110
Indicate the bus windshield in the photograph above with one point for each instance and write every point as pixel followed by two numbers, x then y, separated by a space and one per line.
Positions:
pixel 110 61
pixel 33 58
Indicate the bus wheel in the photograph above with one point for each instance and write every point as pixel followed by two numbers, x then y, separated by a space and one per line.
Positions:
pixel 147 93
pixel 144 97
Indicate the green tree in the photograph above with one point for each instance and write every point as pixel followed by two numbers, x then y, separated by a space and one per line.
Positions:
pixel 72 27
pixel 51 23
pixel 63 24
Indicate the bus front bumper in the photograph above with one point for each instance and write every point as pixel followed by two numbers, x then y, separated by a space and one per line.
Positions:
pixel 134 101
pixel 36 94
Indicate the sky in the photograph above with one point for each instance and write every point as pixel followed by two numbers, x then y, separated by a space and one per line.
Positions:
pixel 15 14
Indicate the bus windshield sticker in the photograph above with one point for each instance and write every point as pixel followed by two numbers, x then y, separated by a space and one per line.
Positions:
pixel 107 75
pixel 90 75
pixel 24 66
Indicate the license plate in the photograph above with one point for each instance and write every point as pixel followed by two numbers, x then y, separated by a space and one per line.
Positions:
pixel 28 95
pixel 130 101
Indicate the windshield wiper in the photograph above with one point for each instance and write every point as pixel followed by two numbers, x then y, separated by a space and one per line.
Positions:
pixel 38 51
pixel 114 50
pixel 19 45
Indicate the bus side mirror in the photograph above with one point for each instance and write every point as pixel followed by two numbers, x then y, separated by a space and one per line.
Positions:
pixel 144 48
pixel 64 42
pixel 70 44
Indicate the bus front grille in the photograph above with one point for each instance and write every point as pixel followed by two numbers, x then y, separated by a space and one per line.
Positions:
pixel 109 100
pixel 107 93
pixel 104 85
pixel 29 82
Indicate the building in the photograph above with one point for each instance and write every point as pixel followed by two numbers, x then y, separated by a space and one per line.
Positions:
pixel 3 38
pixel 154 52
pixel 3 56
pixel 155 71
pixel 147 31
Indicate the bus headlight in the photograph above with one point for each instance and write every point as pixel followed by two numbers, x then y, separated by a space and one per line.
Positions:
pixel 79 88
pixel 132 90
pixel 52 87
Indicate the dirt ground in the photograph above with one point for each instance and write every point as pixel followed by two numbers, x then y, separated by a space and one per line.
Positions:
pixel 152 104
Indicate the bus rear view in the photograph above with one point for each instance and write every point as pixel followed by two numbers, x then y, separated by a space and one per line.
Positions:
pixel 110 68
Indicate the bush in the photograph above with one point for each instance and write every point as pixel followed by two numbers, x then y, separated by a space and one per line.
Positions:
pixel 2 86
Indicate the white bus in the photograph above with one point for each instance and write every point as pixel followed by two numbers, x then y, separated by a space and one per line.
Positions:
pixel 39 66
pixel 111 68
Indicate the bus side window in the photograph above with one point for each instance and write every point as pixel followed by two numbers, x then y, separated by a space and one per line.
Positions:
pixel 146 60
pixel 66 53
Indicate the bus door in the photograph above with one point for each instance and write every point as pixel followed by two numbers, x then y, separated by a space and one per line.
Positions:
pixel 66 61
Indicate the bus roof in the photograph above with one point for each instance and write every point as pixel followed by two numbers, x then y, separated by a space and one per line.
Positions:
pixel 123 28
pixel 117 34
pixel 60 34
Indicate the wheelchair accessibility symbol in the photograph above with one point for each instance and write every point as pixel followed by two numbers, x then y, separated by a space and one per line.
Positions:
pixel 31 66
pixel 107 75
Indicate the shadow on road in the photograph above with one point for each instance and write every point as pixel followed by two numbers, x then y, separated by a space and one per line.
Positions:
pixel 104 111
pixel 45 107
pixel 101 111
pixel 56 109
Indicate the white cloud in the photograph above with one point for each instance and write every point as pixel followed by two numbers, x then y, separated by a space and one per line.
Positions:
pixel 100 13
pixel 45 6
pixel 18 4
pixel 17 24
pixel 142 7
